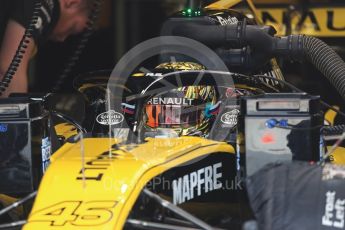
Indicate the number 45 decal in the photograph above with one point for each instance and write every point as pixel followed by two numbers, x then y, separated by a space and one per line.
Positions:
pixel 77 213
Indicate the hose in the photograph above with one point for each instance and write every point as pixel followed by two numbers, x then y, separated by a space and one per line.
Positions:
pixel 253 46
pixel 236 35
pixel 327 61
pixel 333 130
pixel 318 53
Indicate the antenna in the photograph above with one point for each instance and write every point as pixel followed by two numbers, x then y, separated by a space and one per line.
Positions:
pixel 80 136
pixel 194 4
pixel 110 137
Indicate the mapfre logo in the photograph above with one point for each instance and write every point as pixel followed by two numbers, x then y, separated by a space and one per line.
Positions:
pixel 197 183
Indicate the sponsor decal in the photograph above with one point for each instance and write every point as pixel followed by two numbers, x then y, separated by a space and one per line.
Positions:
pixel 46 153
pixel 154 74
pixel 170 101
pixel 110 118
pixel 230 118
pixel 315 21
pixel 95 168
pixel 334 211
pixel 227 21
pixel 197 183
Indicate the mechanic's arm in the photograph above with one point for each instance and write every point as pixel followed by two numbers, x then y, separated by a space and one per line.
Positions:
pixel 13 35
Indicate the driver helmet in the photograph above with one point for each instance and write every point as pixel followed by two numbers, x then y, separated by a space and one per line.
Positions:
pixel 188 111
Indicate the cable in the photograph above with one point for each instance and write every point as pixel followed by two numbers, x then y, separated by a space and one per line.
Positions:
pixel 83 41
pixel 23 44
pixel 293 127
pixel 291 86
pixel 333 130
pixel 283 124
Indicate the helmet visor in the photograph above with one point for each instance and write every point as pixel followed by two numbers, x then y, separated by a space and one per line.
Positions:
pixel 173 116
pixel 177 112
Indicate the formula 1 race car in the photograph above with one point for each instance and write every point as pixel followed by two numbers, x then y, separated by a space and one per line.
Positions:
pixel 186 144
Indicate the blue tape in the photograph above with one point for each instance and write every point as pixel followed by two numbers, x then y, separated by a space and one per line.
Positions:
pixel 3 128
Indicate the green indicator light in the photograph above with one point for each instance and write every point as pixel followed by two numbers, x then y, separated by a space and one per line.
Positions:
pixel 189 10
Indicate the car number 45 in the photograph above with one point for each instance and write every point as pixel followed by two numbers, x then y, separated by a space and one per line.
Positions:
pixel 76 213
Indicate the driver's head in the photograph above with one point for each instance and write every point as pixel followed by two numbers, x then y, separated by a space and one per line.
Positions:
pixel 189 111
pixel 73 18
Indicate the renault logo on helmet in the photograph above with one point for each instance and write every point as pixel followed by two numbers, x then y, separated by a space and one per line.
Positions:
pixel 170 101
